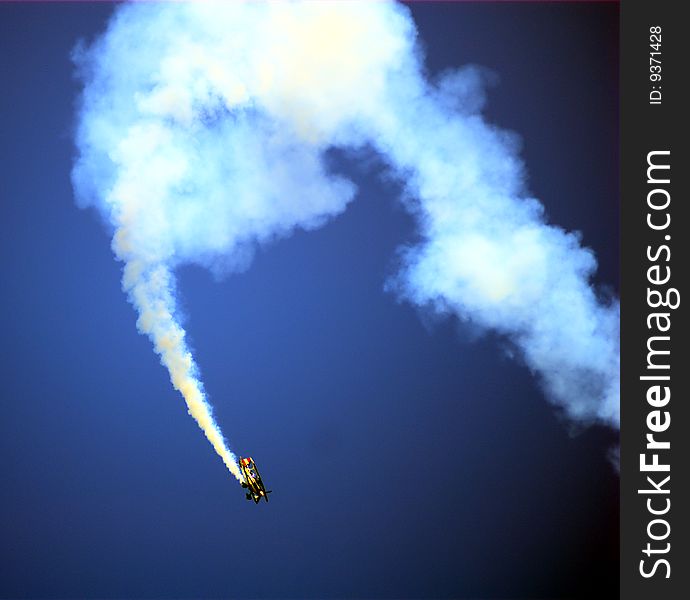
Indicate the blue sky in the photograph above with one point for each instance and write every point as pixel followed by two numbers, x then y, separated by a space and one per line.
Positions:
pixel 409 456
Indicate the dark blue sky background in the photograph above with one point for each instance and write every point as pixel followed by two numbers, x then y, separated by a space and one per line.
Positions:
pixel 408 457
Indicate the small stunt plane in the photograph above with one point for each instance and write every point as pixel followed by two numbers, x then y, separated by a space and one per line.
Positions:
pixel 252 481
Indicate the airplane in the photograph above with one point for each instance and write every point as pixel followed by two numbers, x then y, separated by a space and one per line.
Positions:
pixel 252 480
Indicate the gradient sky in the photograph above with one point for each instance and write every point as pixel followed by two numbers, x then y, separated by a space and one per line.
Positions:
pixel 409 456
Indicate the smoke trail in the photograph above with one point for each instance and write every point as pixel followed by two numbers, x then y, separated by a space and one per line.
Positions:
pixel 202 132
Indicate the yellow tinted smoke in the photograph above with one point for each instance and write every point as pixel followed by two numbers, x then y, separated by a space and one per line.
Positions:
pixel 150 292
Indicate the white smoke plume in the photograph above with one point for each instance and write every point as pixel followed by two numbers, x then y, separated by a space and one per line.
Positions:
pixel 202 130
